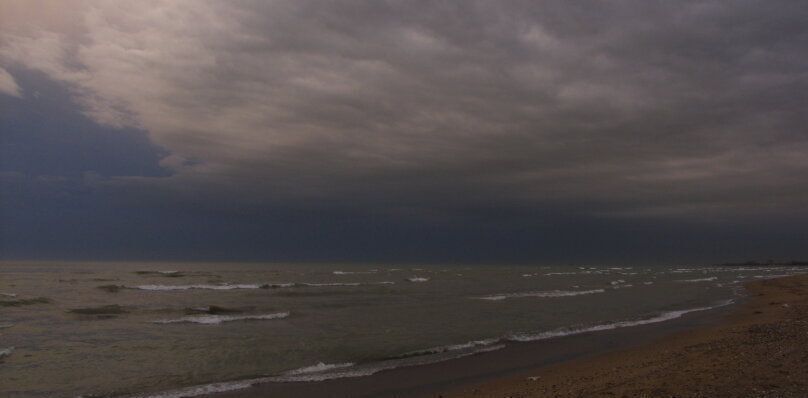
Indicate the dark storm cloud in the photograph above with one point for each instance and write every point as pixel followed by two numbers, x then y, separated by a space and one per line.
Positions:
pixel 432 112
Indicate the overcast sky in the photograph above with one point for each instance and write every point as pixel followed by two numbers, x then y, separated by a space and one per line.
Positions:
pixel 493 131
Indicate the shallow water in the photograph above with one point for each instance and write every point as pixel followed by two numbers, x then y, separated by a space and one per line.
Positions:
pixel 156 328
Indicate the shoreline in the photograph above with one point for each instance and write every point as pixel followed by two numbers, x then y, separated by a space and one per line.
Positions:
pixel 696 355
pixel 456 375
pixel 758 349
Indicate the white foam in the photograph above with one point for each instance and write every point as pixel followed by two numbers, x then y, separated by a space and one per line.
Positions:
pixel 217 319
pixel 228 286
pixel 8 294
pixel 372 368
pixel 665 316
pixel 771 276
pixel 418 279
pixel 331 284
pixel 712 278
pixel 552 293
pixel 319 368
pixel 452 347
pixel 373 271
pixel 4 352
pixel 205 389
pixel 225 286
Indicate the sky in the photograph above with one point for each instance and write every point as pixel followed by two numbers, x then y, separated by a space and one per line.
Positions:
pixel 404 131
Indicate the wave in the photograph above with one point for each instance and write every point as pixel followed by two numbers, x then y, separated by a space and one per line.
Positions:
pixel 319 368
pixel 665 316
pixel 373 271
pixel 341 371
pixel 324 371
pixel 319 372
pixel 712 278
pixel 217 319
pixel 448 348
pixel 6 325
pixel 196 391
pixel 4 352
pixel 771 276
pixel 552 293
pixel 347 284
pixel 8 294
pixel 225 286
pixel 228 286
pixel 418 279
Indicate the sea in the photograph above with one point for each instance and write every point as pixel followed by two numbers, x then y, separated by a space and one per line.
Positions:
pixel 190 329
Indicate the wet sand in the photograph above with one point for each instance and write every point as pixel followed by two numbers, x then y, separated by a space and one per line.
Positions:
pixel 759 350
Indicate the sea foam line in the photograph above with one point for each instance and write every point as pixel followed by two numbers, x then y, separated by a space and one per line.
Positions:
pixel 665 316
pixel 712 278
pixel 202 287
pixel 319 372
pixel 228 286
pixel 341 371
pixel 551 293
pixel 217 319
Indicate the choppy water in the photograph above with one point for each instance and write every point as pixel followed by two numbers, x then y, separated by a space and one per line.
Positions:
pixel 187 329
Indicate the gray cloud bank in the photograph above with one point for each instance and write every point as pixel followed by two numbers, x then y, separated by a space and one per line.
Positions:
pixel 609 109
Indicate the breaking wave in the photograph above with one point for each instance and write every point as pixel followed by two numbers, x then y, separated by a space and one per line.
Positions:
pixel 712 278
pixel 228 286
pixel 552 293
pixel 4 352
pixel 324 371
pixel 217 319
pixel 665 316
pixel 225 286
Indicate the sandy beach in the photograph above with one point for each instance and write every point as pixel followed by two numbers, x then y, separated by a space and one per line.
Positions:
pixel 758 350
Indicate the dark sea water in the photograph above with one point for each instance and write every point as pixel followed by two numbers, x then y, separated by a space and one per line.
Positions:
pixel 174 330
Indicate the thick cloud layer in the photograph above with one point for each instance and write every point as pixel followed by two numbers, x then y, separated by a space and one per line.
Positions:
pixel 624 109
